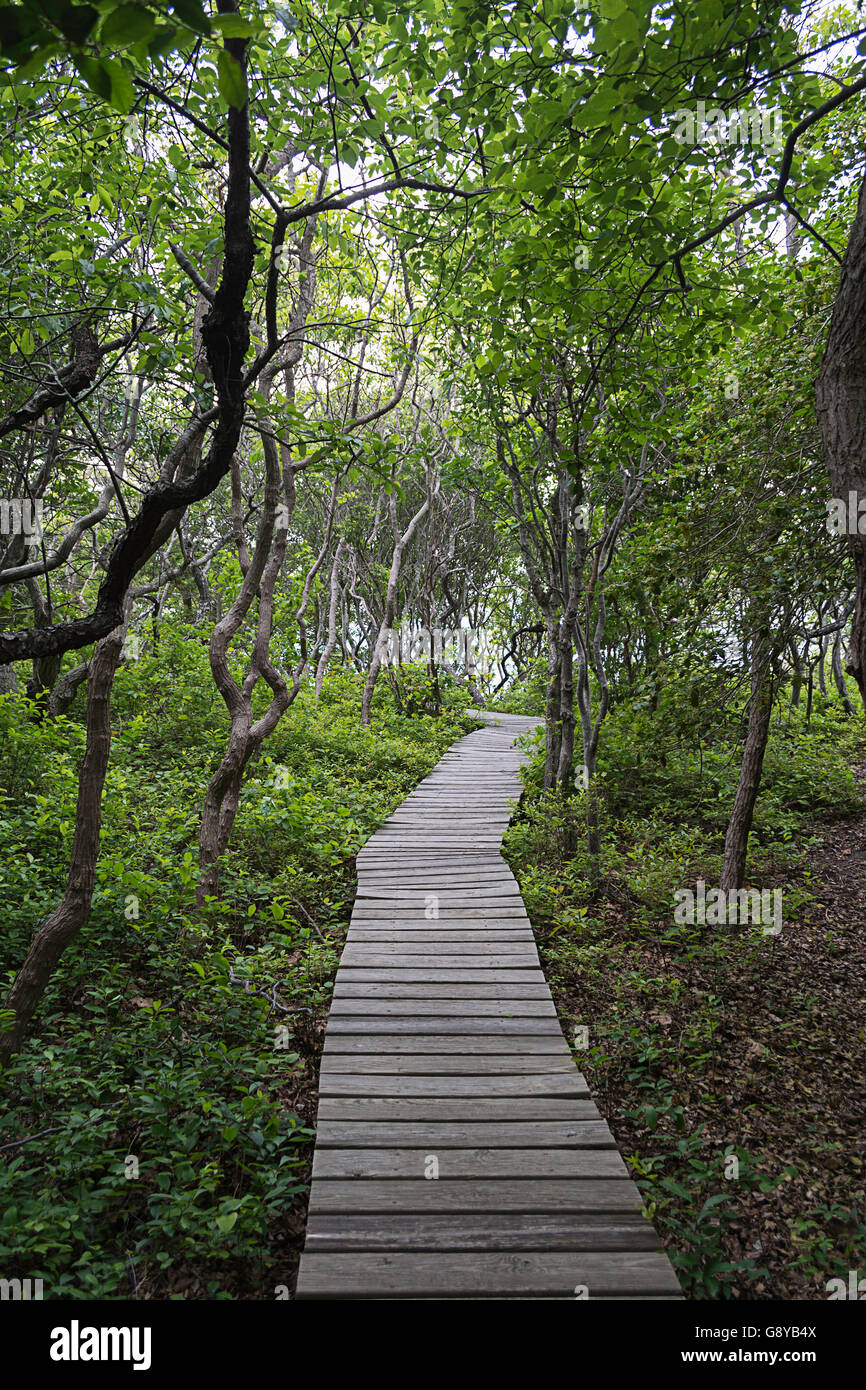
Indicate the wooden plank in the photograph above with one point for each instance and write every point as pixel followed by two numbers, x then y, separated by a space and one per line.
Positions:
pixel 440 1024
pixel 349 989
pixel 421 957
pixel 482 916
pixel 358 974
pixel 467 1108
pixel 439 1064
pixel 456 1195
pixel 438 1135
pixel 419 935
pixel 365 1274
pixel 482 1231
pixel 466 919
pixel 421 950
pixel 468 1163
pixel 520 1086
pixel 475 1044
pixel 441 1008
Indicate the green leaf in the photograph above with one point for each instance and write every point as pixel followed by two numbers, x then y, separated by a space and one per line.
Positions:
pixel 95 74
pixel 231 79
pixel 108 80
pixel 122 91
pixel 127 24
pixel 75 21
pixel 232 26
pixel 226 1221
pixel 190 13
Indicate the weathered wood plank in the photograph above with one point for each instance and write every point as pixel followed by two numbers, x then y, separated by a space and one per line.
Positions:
pixel 511 956
pixel 348 989
pixel 614 1196
pixel 359 974
pixel 440 1064
pixel 364 1274
pixel 513 1026
pixel 414 933
pixel 373 950
pixel 476 1044
pixel 468 1163
pixel 483 1084
pixel 438 1135
pixel 468 1108
pixel 483 1231
pixel 441 1008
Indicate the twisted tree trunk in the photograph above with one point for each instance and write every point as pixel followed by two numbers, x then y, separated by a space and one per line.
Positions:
pixel 67 919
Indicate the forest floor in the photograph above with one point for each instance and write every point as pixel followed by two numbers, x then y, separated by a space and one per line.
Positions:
pixel 755 1052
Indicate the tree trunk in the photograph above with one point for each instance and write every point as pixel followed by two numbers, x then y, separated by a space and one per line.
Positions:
pixel 552 708
pixel 565 766
pixel 796 676
pixel 332 619
pixel 760 709
pixel 72 911
pixel 245 738
pixel 400 543
pixel 841 400
pixel 838 677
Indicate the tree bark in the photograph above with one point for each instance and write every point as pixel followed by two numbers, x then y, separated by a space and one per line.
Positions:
pixel 841 401
pixel 332 619
pixel 838 677
pixel 72 911
pixel 400 544
pixel 553 706
pixel 749 784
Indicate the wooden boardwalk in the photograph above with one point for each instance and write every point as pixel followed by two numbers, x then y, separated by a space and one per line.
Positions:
pixel 458 1152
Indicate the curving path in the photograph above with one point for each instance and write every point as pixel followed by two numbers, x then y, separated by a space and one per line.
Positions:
pixel 458 1151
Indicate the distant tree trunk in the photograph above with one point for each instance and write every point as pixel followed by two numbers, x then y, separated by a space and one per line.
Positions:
pixel 553 706
pixel 797 676
pixel 841 400
pixel 822 659
pixel 590 730
pixel 565 766
pixel 749 784
pixel 838 677
pixel 72 911
pixel 400 543
pixel 66 688
pixel 332 619
pixel 245 736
